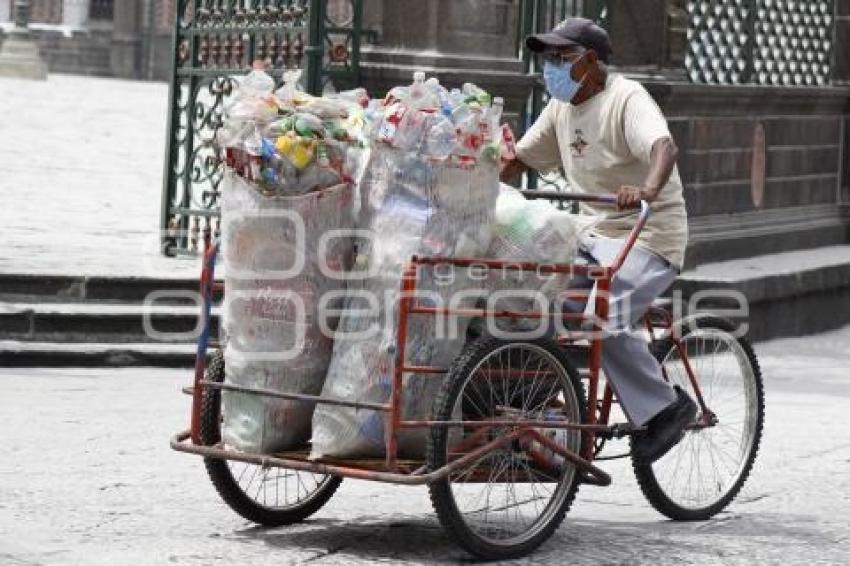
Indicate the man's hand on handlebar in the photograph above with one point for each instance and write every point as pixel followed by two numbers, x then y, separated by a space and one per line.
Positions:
pixel 629 196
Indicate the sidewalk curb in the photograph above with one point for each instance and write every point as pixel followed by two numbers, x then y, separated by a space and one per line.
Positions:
pixel 95 288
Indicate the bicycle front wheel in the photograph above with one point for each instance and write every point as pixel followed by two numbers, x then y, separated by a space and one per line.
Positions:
pixel 701 475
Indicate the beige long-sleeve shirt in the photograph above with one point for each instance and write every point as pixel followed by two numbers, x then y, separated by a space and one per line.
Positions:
pixel 603 144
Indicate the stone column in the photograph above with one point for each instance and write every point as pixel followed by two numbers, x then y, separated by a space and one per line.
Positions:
pixel 125 58
pixel 5 11
pixel 19 54
pixel 841 77
pixel 75 13
pixel 649 35
pixel 841 47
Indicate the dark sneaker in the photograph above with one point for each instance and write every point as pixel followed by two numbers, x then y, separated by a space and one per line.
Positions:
pixel 666 429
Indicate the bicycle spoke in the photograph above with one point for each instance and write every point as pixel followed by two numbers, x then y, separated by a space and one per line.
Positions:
pixel 700 470
pixel 510 494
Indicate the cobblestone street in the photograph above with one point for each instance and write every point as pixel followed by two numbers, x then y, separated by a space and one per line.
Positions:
pixel 88 478
pixel 82 163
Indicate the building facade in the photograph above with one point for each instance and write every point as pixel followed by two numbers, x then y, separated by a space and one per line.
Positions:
pixel 117 38
pixel 757 93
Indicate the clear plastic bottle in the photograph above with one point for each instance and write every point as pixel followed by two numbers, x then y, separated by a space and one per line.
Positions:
pixel 491 132
pixel 494 117
pixel 390 122
pixel 318 175
pixel 455 97
pixel 461 113
pixel 257 83
pixel 441 138
pixel 411 130
pixel 327 175
pixel 420 94
pixel 468 122
pixel 440 96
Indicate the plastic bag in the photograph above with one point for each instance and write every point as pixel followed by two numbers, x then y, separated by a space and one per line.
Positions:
pixel 410 206
pixel 530 231
pixel 274 279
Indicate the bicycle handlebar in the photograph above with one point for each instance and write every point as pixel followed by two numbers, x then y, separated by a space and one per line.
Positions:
pixel 575 197
pixel 643 216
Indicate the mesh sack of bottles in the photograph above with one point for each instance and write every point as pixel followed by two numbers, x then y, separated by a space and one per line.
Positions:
pixel 290 160
pixel 429 189
pixel 530 231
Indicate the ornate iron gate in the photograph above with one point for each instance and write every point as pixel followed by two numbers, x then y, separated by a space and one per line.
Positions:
pixel 216 41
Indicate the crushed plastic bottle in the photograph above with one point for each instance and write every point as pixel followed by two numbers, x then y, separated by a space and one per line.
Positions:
pixel 494 119
pixel 441 95
pixel 390 122
pixel 508 143
pixel 257 83
pixel 357 96
pixel 277 172
pixel 441 139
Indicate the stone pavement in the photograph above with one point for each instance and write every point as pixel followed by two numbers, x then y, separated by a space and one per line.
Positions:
pixel 87 478
pixel 82 163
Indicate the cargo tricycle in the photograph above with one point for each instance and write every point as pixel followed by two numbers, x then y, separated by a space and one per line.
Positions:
pixel 517 426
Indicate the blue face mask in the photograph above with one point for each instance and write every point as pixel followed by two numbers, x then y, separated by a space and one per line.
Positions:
pixel 559 80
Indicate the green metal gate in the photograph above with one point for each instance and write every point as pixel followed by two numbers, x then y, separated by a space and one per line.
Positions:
pixel 216 41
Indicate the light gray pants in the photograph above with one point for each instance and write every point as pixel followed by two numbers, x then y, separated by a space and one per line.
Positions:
pixel 630 368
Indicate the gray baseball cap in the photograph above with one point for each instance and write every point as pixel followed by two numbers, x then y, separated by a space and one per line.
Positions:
pixel 573 31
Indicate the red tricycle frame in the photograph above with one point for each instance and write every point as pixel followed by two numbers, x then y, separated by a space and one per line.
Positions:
pixel 598 411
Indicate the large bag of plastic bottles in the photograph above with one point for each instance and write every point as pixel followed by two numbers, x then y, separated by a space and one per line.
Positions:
pixel 289 158
pixel 289 143
pixel 429 189
pixel 530 231
pixel 275 278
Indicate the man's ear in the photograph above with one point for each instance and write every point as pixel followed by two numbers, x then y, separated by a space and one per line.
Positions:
pixel 586 66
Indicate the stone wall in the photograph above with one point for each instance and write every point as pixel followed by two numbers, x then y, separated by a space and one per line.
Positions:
pixel 81 53
pixel 762 166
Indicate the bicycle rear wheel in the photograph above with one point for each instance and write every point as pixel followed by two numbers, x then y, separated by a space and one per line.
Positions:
pixel 701 475
pixel 269 496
